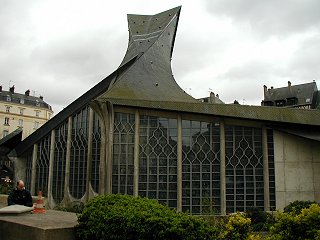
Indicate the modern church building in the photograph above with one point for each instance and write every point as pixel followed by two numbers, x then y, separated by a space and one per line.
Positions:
pixel 137 132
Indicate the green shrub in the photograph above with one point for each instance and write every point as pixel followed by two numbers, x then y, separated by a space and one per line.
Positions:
pixel 296 206
pixel 260 220
pixel 237 228
pixel 6 187
pixel 290 226
pixel 75 207
pixel 126 217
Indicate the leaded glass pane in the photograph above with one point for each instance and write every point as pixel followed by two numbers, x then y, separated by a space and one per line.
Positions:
pixel 42 167
pixel 200 167
pixel 158 159
pixel 59 164
pixel 123 146
pixel 96 141
pixel 272 187
pixel 244 168
pixel 78 154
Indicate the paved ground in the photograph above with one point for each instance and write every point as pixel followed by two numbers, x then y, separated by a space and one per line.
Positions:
pixel 52 225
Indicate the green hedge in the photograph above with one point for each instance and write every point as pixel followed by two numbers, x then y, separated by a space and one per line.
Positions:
pixel 291 226
pixel 297 206
pixel 126 217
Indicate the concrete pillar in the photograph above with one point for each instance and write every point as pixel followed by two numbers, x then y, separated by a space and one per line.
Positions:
pixel 34 169
pixel 265 170
pixel 108 116
pixel 89 154
pixel 51 162
pixel 68 153
pixel 179 164
pixel 136 155
pixel 223 202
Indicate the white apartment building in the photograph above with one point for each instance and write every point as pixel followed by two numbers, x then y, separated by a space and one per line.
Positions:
pixel 22 111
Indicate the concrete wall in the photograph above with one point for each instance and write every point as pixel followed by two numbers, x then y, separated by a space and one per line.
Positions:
pixel 297 169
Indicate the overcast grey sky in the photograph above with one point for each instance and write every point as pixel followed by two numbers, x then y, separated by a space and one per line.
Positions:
pixel 62 48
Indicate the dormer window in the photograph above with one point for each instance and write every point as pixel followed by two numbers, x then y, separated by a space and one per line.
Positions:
pixel 8 98
pixel 22 101
pixel 37 103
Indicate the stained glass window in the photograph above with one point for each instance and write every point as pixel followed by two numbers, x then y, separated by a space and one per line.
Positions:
pixel 200 167
pixel 42 168
pixel 59 164
pixel 158 159
pixel 244 168
pixel 78 155
pixel 123 146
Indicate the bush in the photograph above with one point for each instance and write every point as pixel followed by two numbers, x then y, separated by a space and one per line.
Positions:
pixel 75 207
pixel 126 217
pixel 237 228
pixel 6 186
pixel 290 226
pixel 296 206
pixel 260 220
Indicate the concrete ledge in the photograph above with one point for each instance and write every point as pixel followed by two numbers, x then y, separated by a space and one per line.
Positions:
pixel 4 200
pixel 53 225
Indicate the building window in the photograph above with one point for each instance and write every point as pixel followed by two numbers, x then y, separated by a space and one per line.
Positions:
pixel 157 158
pixel 200 167
pixel 22 101
pixel 37 113
pixel 20 123
pixel 6 121
pixel 5 133
pixel 8 99
pixel 244 168
pixel 21 111
pixel 123 146
pixel 8 109
pixel 36 125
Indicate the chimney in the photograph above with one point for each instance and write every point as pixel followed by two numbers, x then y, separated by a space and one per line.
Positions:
pixel 0 88
pixel 41 97
pixel 289 87
pixel 11 89
pixel 211 98
pixel 265 91
pixel 27 93
pixel 217 95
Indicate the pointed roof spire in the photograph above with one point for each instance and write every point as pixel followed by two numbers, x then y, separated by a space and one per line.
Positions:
pixel 151 41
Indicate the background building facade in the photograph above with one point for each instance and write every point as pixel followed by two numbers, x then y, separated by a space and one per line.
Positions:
pixel 22 111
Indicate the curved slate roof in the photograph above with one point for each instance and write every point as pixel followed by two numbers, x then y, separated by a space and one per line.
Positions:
pixel 151 40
